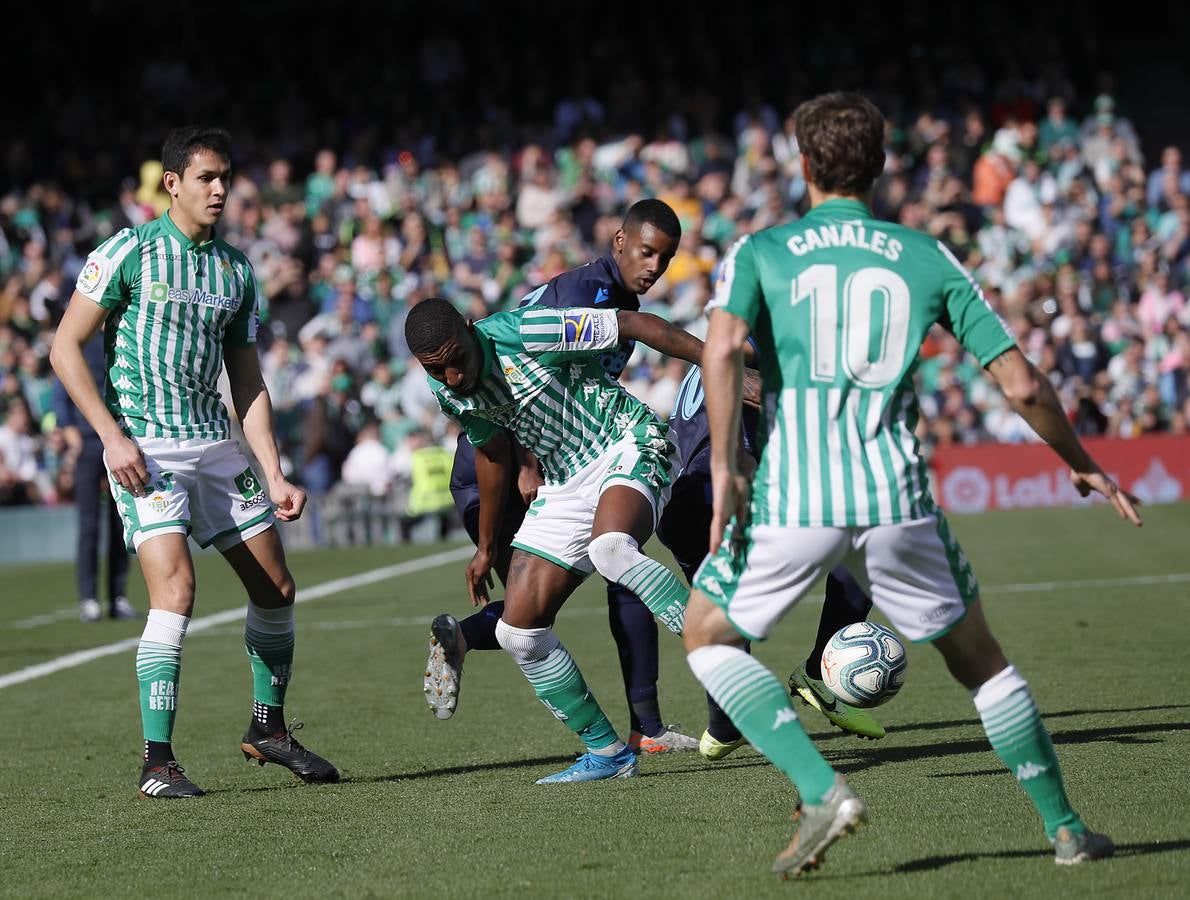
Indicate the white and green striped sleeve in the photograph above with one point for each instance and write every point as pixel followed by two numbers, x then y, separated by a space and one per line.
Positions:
pixel 738 288
pixel 105 277
pixel 241 330
pixel 569 332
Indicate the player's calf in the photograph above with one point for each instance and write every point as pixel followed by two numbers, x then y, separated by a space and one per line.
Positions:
pixel 617 557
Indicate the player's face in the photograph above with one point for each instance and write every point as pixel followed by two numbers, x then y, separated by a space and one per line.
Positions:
pixel 201 191
pixel 456 364
pixel 643 255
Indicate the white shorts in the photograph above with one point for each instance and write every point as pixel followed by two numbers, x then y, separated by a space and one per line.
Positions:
pixel 196 486
pixel 915 572
pixel 558 523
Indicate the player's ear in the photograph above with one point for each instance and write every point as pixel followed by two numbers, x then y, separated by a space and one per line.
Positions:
pixel 618 240
pixel 170 180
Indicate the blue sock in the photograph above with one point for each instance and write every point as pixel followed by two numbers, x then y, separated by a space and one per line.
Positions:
pixel 479 628
pixel 635 632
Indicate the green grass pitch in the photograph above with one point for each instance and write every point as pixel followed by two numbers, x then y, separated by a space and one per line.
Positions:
pixel 1093 612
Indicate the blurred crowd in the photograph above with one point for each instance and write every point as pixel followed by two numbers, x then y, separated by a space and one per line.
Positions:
pixel 1078 235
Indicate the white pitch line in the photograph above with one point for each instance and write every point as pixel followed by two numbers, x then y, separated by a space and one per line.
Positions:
pixel 70 660
pixel 45 619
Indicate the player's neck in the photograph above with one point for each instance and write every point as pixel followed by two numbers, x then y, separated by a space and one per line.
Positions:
pixel 197 233
pixel 818 197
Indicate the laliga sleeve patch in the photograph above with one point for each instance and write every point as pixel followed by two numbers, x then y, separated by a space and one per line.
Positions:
pixel 93 276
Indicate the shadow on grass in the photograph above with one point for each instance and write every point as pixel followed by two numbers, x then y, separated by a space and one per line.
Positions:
pixel 930 863
pixel 965 723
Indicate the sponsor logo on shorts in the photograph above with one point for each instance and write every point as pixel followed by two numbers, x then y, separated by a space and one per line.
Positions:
pixel 247 484
pixel 938 612
pixel 259 500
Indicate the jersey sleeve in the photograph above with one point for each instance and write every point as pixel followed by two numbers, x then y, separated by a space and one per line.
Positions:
pixel 106 277
pixel 478 430
pixel 738 288
pixel 241 330
pixel 569 332
pixel 967 313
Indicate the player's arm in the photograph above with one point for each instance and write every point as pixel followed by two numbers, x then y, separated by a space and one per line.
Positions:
pixel 528 478
pixel 250 398
pixel 493 461
pixel 1033 398
pixel 123 458
pixel 968 316
pixel 723 385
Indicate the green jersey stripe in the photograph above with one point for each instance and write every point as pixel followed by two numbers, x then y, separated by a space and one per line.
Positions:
pixel 856 470
pixel 833 452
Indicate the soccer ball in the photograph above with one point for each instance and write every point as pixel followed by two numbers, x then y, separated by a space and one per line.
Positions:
pixel 864 664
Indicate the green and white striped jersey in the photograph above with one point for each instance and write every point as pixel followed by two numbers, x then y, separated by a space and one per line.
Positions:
pixel 173 305
pixel 839 303
pixel 544 381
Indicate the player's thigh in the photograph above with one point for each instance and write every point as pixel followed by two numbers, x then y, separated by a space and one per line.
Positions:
pixel 228 501
pixel 634 485
pixel 625 508
pixel 557 528
pixel 168 570
pixel 260 564
pixel 166 506
pixel 916 574
pixel 686 524
pixel 756 577
pixel 535 590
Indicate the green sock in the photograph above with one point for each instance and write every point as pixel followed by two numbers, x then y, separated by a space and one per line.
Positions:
pixel 1017 734
pixel 557 682
pixel 158 669
pixel 759 707
pixel 618 559
pixel 269 638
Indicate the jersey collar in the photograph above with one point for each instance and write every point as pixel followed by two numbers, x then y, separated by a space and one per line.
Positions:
pixel 185 241
pixel 608 261
pixel 842 205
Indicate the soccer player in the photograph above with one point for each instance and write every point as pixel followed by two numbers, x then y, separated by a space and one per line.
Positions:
pixel 641 252
pixel 683 530
pixel 538 373
pixel 176 304
pixel 839 303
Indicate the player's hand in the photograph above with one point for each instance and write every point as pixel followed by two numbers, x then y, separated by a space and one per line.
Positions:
pixel 288 500
pixel 733 495
pixel 528 481
pixel 1124 502
pixel 479 577
pixel 752 388
pixel 127 465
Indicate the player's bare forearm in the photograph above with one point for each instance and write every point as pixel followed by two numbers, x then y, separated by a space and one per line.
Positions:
pixel 723 379
pixel 493 464
pixel 1032 397
pixel 254 408
pixel 664 337
pixel 81 320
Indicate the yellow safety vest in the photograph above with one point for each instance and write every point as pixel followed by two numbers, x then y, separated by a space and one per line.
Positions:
pixel 429 489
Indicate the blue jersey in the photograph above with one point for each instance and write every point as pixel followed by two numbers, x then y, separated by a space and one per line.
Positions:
pixel 690 432
pixel 596 285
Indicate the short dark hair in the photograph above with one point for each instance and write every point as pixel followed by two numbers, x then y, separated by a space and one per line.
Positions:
pixel 430 324
pixel 842 137
pixel 653 212
pixel 182 143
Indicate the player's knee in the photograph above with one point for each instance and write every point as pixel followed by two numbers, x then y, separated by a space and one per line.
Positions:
pixel 526 645
pixel 286 589
pixel 613 554
pixel 706 624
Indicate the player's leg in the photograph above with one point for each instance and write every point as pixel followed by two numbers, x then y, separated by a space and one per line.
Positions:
pixel 845 603
pixel 117 568
pixel 269 633
pixel 683 531
pixel 741 591
pixel 155 525
pixel 87 475
pixel 169 577
pixel 451 638
pixel 536 590
pixel 921 579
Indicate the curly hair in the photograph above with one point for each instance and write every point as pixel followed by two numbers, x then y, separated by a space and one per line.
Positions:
pixel 430 324
pixel 842 137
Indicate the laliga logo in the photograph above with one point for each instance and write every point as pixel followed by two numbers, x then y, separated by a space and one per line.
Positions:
pixel 966 490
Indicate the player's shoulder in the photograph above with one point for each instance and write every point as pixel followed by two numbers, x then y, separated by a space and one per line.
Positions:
pixel 234 254
pixel 591 285
pixel 122 242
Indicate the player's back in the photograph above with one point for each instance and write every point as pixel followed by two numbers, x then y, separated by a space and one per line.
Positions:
pixel 839 303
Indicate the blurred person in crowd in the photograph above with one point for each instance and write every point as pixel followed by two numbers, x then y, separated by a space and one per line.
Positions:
pixel 19 456
pixel 93 501
pixel 368 464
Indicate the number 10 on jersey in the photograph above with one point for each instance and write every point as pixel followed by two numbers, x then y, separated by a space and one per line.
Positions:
pixel 864 291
